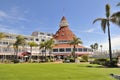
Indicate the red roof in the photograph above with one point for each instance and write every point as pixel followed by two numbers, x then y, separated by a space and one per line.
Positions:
pixel 64 33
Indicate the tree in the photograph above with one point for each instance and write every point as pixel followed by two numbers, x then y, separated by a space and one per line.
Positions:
pixel 118 4
pixel 2 35
pixel 75 42
pixel 101 48
pixel 105 22
pixel 47 45
pixel 32 44
pixel 20 41
pixel 94 46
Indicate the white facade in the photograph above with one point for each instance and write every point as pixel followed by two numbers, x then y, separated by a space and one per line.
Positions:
pixel 6 44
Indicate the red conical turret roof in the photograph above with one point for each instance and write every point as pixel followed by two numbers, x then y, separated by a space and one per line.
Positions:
pixel 64 33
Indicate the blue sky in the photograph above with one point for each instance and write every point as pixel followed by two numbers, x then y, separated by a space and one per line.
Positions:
pixel 26 16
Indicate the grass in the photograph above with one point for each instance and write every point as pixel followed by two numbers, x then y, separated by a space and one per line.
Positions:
pixel 48 71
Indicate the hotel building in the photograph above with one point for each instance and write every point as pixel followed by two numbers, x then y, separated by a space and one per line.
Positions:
pixel 62 38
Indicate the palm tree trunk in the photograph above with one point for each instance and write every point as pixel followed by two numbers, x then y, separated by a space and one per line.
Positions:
pixel 16 54
pixel 45 55
pixel 109 39
pixel 74 52
pixel 31 54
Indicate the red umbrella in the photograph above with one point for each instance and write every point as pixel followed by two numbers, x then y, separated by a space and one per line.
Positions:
pixel 24 54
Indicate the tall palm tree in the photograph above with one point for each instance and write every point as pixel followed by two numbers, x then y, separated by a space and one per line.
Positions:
pixel 31 44
pixel 75 42
pixel 20 41
pixel 105 22
pixel 47 45
pixel 101 48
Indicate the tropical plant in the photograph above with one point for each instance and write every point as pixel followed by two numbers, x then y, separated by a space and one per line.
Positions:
pixel 20 41
pixel 105 22
pixel 75 42
pixel 118 4
pixel 32 44
pixel 2 35
pixel 94 46
pixel 101 47
pixel 47 45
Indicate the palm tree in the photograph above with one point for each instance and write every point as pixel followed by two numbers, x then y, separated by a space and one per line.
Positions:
pixel 32 44
pixel 47 45
pixel 105 22
pixel 20 41
pixel 101 48
pixel 94 46
pixel 75 42
pixel 2 35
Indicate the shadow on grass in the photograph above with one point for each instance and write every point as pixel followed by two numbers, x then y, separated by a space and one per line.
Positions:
pixel 92 66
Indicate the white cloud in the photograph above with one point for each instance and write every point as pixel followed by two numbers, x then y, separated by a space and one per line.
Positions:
pixel 90 30
pixel 13 15
pixel 3 14
pixel 4 28
pixel 115 43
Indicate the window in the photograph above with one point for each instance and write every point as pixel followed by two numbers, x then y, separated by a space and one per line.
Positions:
pixel 85 49
pixel 0 42
pixel 75 49
pixel 43 51
pixel 55 50
pixel 42 33
pixel 68 49
pixel 31 39
pixel 80 49
pixel 49 34
pixel 42 40
pixel 61 50
pixel 5 43
pixel 37 39
pixel 26 38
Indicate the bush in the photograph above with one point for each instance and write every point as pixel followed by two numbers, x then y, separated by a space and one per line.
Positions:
pixel 68 60
pixel 84 58
pixel 113 64
pixel 105 62
pixel 15 61
pixel 100 61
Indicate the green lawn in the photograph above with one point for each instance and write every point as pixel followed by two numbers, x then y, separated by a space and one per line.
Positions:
pixel 48 71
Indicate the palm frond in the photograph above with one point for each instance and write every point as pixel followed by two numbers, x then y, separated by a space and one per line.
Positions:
pixel 103 24
pixel 98 19
pixel 107 10
pixel 118 4
pixel 115 18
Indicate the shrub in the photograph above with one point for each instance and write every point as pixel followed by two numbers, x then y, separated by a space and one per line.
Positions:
pixel 100 61
pixel 68 60
pixel 15 61
pixel 113 64
pixel 84 58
